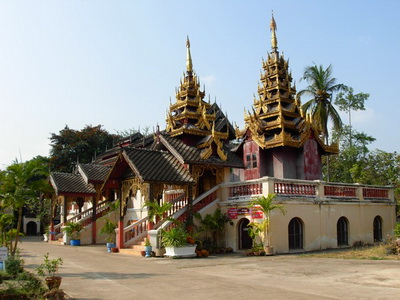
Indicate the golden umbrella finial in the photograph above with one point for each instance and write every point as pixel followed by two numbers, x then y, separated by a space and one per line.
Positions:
pixel 273 28
pixel 189 65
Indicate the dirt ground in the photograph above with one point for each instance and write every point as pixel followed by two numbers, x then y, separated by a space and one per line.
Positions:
pixel 89 272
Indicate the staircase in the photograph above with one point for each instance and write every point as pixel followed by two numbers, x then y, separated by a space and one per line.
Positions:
pixel 84 218
pixel 135 233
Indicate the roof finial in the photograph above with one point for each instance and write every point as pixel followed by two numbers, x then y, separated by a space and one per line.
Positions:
pixel 273 28
pixel 189 66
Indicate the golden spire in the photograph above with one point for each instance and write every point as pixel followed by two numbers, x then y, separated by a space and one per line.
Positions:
pixel 189 66
pixel 273 28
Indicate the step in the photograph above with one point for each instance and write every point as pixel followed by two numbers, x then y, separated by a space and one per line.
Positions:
pixel 131 251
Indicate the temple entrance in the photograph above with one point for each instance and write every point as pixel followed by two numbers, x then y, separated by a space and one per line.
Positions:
pixel 207 181
pixel 245 241
pixel 31 228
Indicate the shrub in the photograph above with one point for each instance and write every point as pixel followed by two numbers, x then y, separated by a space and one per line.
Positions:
pixel 174 237
pixel 14 264
pixel 397 230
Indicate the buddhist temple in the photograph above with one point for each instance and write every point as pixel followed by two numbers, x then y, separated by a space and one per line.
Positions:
pixel 279 140
pixel 200 164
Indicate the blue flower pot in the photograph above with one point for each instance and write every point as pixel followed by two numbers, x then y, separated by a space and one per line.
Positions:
pixel 109 246
pixel 148 250
pixel 75 242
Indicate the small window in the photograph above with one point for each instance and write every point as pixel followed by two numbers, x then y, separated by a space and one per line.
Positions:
pixel 254 158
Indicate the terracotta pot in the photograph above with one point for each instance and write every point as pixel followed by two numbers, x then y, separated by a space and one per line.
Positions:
pixel 53 282
pixel 269 250
pixel 114 249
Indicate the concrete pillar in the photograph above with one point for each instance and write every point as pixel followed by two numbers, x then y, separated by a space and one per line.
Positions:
pixel 120 236
pixel 94 229
pixel 268 186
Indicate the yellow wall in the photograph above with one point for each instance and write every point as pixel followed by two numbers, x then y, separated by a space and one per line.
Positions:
pixel 319 223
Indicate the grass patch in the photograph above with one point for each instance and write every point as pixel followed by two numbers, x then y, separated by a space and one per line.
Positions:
pixel 376 252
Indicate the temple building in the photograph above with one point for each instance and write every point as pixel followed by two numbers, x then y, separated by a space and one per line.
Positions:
pixel 279 141
pixel 200 162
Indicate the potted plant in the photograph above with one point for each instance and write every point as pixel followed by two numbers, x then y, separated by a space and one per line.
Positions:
pixel 157 214
pixel 175 241
pixel 266 205
pixel 108 229
pixel 73 231
pixel 147 247
pixel 109 226
pixel 48 269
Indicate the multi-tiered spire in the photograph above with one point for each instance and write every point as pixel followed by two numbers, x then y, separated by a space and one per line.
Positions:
pixel 190 115
pixel 276 118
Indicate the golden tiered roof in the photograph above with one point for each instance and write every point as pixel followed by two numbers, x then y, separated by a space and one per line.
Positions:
pixel 276 118
pixel 191 115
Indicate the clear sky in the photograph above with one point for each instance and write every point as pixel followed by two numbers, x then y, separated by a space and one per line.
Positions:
pixel 117 63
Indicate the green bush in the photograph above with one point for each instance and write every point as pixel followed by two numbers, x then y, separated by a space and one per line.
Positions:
pixel 14 265
pixel 24 286
pixel 397 230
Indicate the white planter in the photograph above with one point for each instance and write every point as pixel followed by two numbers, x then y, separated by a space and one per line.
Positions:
pixel 185 251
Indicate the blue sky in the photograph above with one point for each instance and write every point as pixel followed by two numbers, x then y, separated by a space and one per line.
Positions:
pixel 117 63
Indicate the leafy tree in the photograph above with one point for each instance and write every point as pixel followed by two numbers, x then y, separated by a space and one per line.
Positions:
pixel 267 206
pixel 70 146
pixel 351 158
pixel 347 101
pixel 128 132
pixel 321 87
pixel 23 184
pixel 380 168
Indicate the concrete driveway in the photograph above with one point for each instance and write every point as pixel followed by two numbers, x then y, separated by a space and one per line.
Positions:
pixel 89 272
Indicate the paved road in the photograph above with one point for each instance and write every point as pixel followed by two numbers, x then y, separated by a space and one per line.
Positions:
pixel 90 273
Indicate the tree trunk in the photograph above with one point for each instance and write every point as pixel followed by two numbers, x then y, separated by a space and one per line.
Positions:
pixel 18 231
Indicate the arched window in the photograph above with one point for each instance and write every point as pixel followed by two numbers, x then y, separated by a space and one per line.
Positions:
pixel 342 232
pixel 377 229
pixel 295 234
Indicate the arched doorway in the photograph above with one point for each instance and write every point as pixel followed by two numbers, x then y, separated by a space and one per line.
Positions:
pixel 31 228
pixel 342 232
pixel 295 234
pixel 377 229
pixel 245 241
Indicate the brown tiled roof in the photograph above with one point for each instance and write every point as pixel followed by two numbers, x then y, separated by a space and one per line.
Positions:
pixel 94 172
pixel 191 155
pixel 111 154
pixel 221 122
pixel 69 183
pixel 160 166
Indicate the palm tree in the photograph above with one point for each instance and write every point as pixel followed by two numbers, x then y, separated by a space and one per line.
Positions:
pixel 321 88
pixel 22 184
pixel 266 205
pixel 157 211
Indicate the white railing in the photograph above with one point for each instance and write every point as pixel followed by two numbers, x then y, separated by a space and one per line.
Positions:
pixel 135 231
pixel 138 230
pixel 315 189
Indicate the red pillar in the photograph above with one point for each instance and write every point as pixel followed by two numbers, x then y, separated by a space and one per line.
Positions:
pixel 94 231
pixel 52 235
pixel 120 236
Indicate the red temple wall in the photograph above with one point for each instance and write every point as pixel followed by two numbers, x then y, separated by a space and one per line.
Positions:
pixel 312 160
